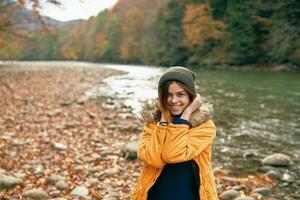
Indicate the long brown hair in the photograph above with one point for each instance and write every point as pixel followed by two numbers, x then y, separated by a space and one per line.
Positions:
pixel 163 93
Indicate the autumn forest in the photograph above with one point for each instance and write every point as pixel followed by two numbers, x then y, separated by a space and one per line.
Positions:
pixel 165 32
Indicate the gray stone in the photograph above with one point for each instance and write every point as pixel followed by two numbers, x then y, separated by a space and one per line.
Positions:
pixel 39 169
pixel 53 178
pixel 229 195
pixel 288 178
pixel 80 191
pixel 130 150
pixel 9 181
pixel 36 194
pixel 273 175
pixel 61 185
pixel 59 146
pixel 262 190
pixel 277 159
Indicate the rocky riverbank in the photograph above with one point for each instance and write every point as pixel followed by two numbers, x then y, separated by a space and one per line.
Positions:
pixel 55 143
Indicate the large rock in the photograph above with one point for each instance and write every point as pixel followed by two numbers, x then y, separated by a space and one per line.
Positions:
pixel 36 194
pixel 9 181
pixel 277 159
pixel 130 150
pixel 229 195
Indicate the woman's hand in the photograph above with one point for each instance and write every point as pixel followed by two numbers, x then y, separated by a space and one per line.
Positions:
pixel 195 104
pixel 191 108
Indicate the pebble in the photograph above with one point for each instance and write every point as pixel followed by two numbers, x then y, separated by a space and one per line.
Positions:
pixel 262 190
pixel 9 181
pixel 277 159
pixel 36 194
pixel 130 150
pixel 53 178
pixel 80 191
pixel 59 146
pixel 273 175
pixel 229 195
pixel 61 185
pixel 39 170
pixel 288 178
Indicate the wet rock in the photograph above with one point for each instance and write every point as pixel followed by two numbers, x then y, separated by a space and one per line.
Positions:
pixel 263 190
pixel 80 191
pixel 288 178
pixel 130 150
pixel 36 194
pixel 274 175
pixel 229 195
pixel 9 181
pixel 277 159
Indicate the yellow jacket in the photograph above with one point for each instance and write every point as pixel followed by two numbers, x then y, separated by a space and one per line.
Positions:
pixel 175 143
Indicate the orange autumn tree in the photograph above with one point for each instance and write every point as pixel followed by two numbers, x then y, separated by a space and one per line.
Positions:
pixel 132 30
pixel 199 27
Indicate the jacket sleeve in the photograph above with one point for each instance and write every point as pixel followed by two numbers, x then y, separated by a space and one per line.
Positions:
pixel 183 144
pixel 150 145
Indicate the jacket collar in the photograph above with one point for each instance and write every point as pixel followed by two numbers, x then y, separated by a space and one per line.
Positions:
pixel 151 114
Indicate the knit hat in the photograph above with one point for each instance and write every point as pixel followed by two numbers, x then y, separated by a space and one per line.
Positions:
pixel 181 74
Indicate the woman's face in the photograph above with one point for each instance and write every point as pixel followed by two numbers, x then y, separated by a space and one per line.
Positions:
pixel 178 99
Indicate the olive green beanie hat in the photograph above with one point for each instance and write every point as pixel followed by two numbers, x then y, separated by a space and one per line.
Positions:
pixel 180 74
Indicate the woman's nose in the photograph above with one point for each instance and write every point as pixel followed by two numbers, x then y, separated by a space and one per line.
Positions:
pixel 174 99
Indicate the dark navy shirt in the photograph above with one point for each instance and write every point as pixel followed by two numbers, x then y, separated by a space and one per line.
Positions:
pixel 178 181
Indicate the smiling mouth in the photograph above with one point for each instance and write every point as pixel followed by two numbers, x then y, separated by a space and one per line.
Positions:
pixel 175 107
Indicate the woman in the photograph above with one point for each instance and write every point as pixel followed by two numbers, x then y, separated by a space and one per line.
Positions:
pixel 176 142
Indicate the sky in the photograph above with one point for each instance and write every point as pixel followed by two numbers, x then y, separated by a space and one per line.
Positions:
pixel 75 9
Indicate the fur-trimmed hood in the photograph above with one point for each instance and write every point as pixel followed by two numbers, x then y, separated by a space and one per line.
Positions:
pixel 151 114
